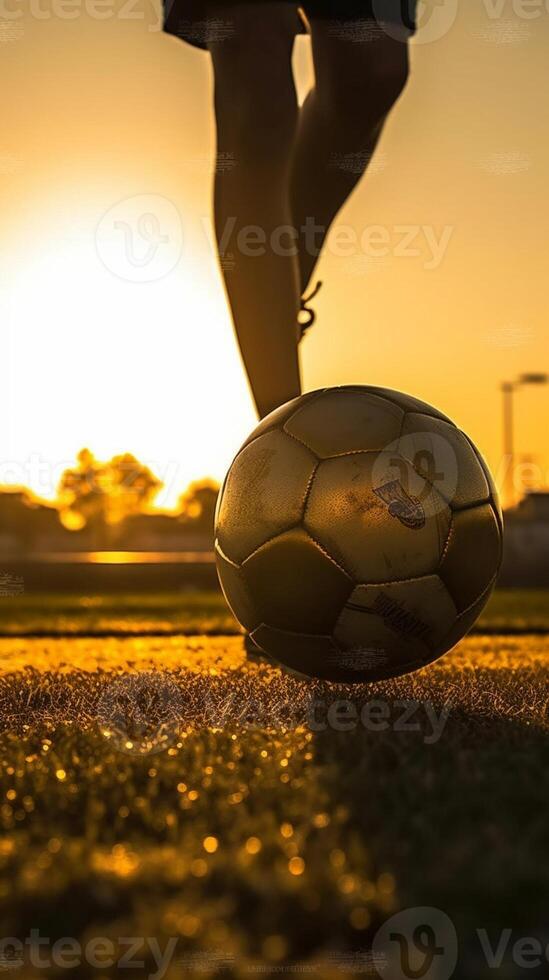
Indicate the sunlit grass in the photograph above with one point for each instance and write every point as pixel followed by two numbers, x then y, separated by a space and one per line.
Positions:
pixel 167 786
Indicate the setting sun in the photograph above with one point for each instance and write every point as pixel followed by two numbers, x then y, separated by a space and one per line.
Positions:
pixel 119 368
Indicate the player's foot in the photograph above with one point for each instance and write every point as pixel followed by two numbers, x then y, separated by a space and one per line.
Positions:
pixel 307 316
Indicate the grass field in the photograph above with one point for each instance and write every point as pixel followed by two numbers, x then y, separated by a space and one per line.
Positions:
pixel 173 613
pixel 164 786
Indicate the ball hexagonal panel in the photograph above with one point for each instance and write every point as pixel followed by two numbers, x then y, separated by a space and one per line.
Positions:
pixel 402 623
pixel 443 454
pixel 264 493
pixel 377 517
pixel 473 555
pixel 294 585
pixel 345 420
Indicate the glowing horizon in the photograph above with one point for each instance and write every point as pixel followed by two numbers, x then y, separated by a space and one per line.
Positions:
pixel 152 367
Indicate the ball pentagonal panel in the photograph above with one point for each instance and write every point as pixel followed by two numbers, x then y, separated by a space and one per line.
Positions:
pixel 277 418
pixel 313 656
pixel 264 493
pixel 295 586
pixel 377 517
pixel 346 420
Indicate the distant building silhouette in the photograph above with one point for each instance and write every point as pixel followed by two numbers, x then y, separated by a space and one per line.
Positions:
pixel 526 542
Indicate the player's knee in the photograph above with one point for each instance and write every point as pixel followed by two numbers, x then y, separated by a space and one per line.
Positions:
pixel 388 80
pixel 360 97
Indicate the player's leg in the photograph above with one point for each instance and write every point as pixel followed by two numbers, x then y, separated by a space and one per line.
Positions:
pixel 360 72
pixel 256 115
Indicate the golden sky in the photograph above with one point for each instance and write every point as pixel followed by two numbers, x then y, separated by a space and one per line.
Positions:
pixel 108 119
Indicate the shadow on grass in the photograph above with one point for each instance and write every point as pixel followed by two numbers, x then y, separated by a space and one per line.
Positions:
pixel 460 823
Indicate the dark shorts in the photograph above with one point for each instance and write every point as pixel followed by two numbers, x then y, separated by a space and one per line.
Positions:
pixel 198 23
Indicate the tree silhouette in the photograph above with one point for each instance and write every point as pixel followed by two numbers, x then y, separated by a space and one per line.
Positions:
pixel 197 504
pixel 101 493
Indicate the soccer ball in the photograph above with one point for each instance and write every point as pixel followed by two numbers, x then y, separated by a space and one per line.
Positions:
pixel 358 534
